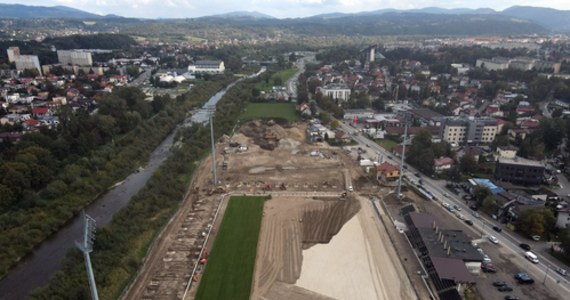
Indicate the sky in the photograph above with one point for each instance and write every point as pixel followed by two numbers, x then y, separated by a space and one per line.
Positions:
pixel 275 8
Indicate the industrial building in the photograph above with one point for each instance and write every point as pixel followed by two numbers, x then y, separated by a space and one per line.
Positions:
pixel 447 255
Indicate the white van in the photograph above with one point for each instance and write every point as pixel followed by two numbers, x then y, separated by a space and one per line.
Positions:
pixel 531 256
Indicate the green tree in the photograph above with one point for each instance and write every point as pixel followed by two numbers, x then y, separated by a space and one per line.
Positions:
pixel 335 124
pixel 535 221
pixel 468 164
pixel 481 193
pixel 489 204
pixel 421 153
pixel 565 241
pixel 325 117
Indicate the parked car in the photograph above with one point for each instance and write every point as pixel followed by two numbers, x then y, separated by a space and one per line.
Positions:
pixel 561 271
pixel 523 278
pixel 469 222
pixel 476 215
pixel 505 288
pixel 497 228
pixel 511 297
pixel 525 246
pixel 488 268
pixel 526 280
pixel 486 258
pixel 499 283
pixel 493 239
pixel 536 237
pixel 457 208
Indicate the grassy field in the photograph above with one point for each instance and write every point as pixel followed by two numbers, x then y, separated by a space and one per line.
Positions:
pixel 270 111
pixel 387 144
pixel 229 270
pixel 281 76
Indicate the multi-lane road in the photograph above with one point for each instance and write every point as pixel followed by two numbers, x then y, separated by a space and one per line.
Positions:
pixel 545 269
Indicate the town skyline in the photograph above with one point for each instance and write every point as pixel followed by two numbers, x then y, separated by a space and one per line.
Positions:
pixel 154 9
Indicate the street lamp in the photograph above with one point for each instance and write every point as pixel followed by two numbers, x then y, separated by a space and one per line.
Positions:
pixel 546 274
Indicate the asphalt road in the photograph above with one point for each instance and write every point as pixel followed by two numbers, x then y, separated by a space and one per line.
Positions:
pixel 437 188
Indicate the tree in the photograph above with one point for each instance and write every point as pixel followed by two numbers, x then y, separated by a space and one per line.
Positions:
pixel 481 193
pixel 468 164
pixel 536 221
pixel 489 204
pixel 325 117
pixel 565 241
pixel 421 153
pixel 335 124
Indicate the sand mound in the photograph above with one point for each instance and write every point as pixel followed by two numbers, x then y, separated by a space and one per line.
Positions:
pixel 240 139
pixel 277 131
pixel 288 144
pixel 296 134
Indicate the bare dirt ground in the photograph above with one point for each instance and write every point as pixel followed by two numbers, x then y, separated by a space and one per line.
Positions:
pixel 305 214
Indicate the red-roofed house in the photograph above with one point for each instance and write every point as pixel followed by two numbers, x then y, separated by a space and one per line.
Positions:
pixel 530 124
pixel 524 110
pixel 443 163
pixel 31 123
pixel 40 111
pixel 387 172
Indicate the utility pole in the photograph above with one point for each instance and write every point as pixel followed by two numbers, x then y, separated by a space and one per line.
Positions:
pixel 546 273
pixel 402 160
pixel 211 111
pixel 86 246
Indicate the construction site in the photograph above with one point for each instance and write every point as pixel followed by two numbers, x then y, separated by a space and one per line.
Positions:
pixel 318 239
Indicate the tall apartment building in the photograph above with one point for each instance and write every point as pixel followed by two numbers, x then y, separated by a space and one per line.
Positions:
pixel 24 62
pixel 336 91
pixel 74 58
pixel 468 130
pixel 13 52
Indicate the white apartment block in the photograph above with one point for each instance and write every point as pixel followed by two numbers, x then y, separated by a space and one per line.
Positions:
pixel 335 91
pixel 469 130
pixel 207 66
pixel 13 52
pixel 74 58
pixel 28 62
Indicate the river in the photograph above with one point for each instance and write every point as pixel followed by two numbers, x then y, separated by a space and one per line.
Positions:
pixel 36 269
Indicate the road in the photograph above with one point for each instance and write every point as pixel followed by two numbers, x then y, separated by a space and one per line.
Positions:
pixel 291 83
pixel 141 78
pixel 437 188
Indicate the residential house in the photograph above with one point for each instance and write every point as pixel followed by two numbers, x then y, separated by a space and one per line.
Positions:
pixel 387 172
pixel 342 137
pixel 506 152
pixel 442 164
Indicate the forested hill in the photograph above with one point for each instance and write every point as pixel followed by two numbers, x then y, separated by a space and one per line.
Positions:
pixel 93 41
pixel 390 24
